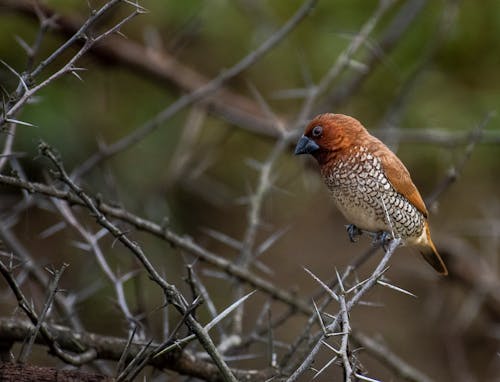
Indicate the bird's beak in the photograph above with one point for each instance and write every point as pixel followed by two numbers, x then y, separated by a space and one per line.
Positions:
pixel 305 145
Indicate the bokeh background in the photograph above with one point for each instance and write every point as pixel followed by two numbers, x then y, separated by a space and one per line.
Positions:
pixel 424 95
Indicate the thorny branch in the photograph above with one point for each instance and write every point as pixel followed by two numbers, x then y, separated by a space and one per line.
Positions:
pixel 264 186
pixel 111 348
pixel 171 293
pixel 255 281
pixel 37 321
pixel 333 327
pixel 25 92
pixel 184 242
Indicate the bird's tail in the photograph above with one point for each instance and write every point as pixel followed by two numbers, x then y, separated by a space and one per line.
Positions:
pixel 431 255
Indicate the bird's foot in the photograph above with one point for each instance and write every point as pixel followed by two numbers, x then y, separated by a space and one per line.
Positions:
pixel 353 232
pixel 382 239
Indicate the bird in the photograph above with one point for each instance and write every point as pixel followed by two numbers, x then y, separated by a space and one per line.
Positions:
pixel 369 184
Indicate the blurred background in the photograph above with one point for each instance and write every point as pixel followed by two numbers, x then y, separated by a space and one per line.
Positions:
pixel 424 80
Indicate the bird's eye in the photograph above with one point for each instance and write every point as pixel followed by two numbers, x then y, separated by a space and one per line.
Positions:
pixel 317 131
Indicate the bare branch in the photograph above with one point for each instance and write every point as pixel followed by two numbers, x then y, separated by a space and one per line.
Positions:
pixel 170 291
pixel 69 67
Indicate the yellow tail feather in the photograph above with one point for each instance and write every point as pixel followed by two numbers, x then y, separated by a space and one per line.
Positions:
pixel 431 255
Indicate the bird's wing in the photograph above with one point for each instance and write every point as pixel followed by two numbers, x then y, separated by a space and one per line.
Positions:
pixel 399 177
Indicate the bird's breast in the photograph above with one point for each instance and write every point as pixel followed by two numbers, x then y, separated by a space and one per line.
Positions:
pixel 366 198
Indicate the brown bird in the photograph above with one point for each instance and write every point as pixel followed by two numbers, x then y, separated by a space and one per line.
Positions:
pixel 369 184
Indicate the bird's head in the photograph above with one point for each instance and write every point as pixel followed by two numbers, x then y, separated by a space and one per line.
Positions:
pixel 329 134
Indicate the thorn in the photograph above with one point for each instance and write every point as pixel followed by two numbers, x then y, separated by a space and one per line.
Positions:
pixel 325 367
pixel 18 122
pixel 364 378
pixel 24 45
pixel 358 65
pixel 223 238
pixel 264 268
pixel 323 285
pixel 266 244
pixel 77 75
pixel 100 234
pixel 338 352
pixel 78 69
pixel 52 230
pixel 120 33
pixel 266 108
pixel 80 245
pixel 341 284
pixel 390 286
pixel 323 328
pixel 371 304
pixel 226 311
pixel 357 286
pixel 337 334
pixel 253 164
pixel 16 74
pixel 129 275
pixel 137 6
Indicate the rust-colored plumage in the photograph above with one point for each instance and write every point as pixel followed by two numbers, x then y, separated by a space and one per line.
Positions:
pixel 369 184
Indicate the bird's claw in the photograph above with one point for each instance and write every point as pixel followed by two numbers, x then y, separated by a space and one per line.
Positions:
pixel 381 238
pixel 353 232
